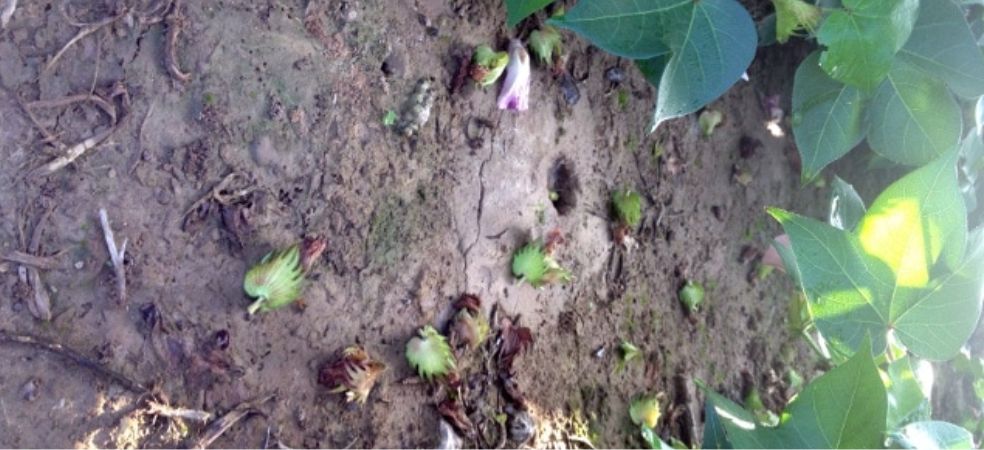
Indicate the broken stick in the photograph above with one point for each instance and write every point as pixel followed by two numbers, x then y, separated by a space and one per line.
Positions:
pixel 74 356
pixel 8 12
pixel 115 256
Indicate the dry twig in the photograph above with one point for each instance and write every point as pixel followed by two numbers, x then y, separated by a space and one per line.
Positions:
pixel 115 256
pixel 224 423
pixel 27 259
pixel 8 12
pixel 85 31
pixel 74 356
pixel 160 409
pixel 106 103
pixel 174 22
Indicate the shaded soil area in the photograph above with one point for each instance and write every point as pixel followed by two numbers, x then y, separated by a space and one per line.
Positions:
pixel 279 129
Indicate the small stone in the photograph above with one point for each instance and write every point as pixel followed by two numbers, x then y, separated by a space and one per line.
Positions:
pixel 79 265
pixel 29 391
pixel 615 75
pixel 568 88
pixel 111 174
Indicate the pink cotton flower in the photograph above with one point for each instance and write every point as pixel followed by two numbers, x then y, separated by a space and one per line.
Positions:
pixel 515 93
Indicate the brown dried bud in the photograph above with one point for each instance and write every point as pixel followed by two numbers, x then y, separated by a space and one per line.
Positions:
pixel 355 374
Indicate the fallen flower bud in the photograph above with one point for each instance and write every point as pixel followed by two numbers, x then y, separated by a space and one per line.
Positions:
pixel 516 89
pixel 533 265
pixel 644 410
pixel 276 281
pixel 430 354
pixel 692 296
pixel 488 65
pixel 311 250
pixel 469 328
pixel 355 374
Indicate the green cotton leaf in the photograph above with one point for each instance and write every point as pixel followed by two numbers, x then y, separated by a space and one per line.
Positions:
pixel 719 410
pixel 794 15
pixel 713 43
pixel 846 206
pixel 913 118
pixel 517 10
pixel 883 276
pixel 862 38
pixel 846 289
pixel 836 410
pixel 938 322
pixel 652 68
pixel 915 221
pixel 979 116
pixel 943 45
pixel 710 43
pixel 629 29
pixel 827 117
pixel 905 397
pixel 652 439
pixel 932 434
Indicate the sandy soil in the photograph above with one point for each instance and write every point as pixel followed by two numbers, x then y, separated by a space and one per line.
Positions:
pixel 290 97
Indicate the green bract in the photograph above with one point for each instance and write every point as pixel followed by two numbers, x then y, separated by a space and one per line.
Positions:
pixel 628 207
pixel 644 410
pixel 627 352
pixel 544 42
pixel 708 120
pixel 491 64
pixel 692 296
pixel 276 280
pixel 430 354
pixel 532 265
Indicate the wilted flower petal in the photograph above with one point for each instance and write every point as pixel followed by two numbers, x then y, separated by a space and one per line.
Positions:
pixel 516 89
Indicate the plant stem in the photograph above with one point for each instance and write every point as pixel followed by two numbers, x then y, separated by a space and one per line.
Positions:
pixel 814 345
pixel 255 306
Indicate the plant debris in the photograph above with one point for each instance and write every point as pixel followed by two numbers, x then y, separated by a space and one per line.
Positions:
pixel 355 374
pixel 116 257
pixel 417 109
pixel 469 328
pixel 276 281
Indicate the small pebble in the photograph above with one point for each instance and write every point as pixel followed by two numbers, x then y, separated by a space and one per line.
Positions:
pixel 615 75
pixel 79 265
pixel 569 89
pixel 600 352
pixel 29 391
